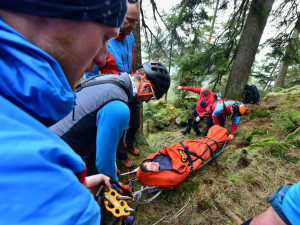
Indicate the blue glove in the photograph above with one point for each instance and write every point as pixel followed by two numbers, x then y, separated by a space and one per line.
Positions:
pixel 202 104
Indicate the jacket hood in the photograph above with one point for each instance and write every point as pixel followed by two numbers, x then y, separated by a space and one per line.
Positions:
pixel 32 79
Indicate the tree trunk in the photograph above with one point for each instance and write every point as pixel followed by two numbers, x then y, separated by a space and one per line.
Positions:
pixel 271 75
pixel 213 22
pixel 137 62
pixel 281 75
pixel 247 48
pixel 284 65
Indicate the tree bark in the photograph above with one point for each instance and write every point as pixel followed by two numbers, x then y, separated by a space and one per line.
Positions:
pixel 271 75
pixel 284 65
pixel 137 62
pixel 247 48
pixel 213 22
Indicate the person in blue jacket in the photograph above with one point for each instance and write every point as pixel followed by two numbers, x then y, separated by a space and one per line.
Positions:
pixel 120 54
pixel 102 113
pixel 45 47
pixel 284 209
pixel 217 112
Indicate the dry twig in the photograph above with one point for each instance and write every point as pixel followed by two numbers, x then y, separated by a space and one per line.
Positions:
pixel 229 213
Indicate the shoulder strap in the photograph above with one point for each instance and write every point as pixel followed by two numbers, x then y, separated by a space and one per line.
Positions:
pixel 225 109
pixel 86 83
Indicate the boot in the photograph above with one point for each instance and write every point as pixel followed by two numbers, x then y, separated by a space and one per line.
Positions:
pixel 185 131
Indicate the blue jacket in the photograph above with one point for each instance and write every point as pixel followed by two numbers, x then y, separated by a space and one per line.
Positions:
pixel 217 109
pixel 120 52
pixel 290 204
pixel 38 171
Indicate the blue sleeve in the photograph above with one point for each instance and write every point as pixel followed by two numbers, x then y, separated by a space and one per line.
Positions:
pixel 94 72
pixel 112 120
pixel 218 110
pixel 290 204
pixel 236 119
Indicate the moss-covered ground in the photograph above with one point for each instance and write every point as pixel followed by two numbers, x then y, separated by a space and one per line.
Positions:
pixel 263 156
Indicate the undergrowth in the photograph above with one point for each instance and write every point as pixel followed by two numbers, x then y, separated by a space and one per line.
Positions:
pixel 263 156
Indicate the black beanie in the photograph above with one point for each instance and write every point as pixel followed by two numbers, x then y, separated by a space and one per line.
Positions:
pixel 109 12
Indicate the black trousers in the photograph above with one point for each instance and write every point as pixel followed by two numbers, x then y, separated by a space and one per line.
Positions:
pixel 128 136
pixel 210 123
pixel 193 123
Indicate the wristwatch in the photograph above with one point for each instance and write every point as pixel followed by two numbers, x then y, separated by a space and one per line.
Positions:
pixel 276 202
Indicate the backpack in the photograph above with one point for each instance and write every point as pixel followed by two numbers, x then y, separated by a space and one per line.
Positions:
pixel 250 94
pixel 85 83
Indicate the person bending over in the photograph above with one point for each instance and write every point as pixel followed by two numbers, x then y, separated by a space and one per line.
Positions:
pixel 217 113
pixel 120 54
pixel 102 114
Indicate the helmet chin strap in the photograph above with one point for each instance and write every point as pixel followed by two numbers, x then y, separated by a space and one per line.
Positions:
pixel 143 78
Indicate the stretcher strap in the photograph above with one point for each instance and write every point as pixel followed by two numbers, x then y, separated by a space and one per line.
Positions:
pixel 186 150
pixel 215 142
pixel 212 153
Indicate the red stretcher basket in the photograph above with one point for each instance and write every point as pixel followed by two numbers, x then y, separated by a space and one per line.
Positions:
pixel 186 157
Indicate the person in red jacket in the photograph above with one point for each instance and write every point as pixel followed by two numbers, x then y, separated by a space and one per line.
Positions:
pixel 206 97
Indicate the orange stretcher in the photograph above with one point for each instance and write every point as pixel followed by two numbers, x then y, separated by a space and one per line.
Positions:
pixel 186 157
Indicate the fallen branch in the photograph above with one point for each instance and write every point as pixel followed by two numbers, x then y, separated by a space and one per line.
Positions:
pixel 161 218
pixel 230 213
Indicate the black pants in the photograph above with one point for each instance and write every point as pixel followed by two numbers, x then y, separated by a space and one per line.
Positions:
pixel 193 123
pixel 129 135
pixel 90 164
pixel 210 123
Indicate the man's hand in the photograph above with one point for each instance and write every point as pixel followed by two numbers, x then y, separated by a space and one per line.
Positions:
pixel 197 118
pixel 93 182
pixel 230 137
pixel 179 87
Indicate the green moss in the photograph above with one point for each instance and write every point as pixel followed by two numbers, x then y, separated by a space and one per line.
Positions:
pixel 292 97
pixel 262 143
pixel 294 138
pixel 287 120
pixel 259 132
pixel 260 113
pixel 248 136
pixel 293 135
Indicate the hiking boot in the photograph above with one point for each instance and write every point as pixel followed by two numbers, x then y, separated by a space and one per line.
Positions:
pixel 127 162
pixel 185 131
pixel 133 151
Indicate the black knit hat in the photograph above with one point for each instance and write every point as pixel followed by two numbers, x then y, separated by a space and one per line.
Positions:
pixel 109 12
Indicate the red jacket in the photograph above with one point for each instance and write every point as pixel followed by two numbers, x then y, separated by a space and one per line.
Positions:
pixel 201 106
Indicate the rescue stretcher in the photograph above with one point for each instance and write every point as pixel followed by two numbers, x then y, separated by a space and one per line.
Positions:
pixel 186 157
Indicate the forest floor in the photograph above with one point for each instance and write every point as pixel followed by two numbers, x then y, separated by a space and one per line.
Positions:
pixel 263 156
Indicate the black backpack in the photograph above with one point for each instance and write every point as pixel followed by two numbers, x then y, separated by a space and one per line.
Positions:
pixel 250 94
